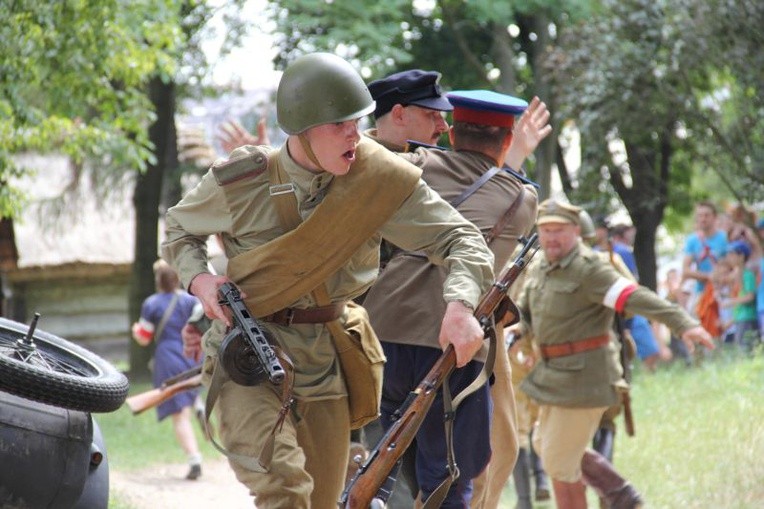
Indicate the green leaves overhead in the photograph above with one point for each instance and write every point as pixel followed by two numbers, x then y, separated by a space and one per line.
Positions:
pixel 73 76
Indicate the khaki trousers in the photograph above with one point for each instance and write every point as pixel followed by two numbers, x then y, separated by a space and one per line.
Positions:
pixel 562 436
pixel 310 452
pixel 488 486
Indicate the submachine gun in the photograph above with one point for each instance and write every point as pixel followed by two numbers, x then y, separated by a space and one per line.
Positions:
pixel 247 352
pixel 367 488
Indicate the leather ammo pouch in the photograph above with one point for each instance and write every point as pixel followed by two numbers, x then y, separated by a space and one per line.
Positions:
pixel 279 273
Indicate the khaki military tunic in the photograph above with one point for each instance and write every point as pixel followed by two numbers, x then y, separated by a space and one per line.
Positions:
pixel 405 304
pixel 240 209
pixel 574 299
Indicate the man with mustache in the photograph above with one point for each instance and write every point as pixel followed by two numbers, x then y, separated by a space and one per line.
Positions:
pixel 569 302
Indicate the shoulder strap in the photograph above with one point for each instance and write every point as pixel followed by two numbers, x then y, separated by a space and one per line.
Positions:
pixel 475 186
pixel 504 219
pixel 166 316
pixel 286 206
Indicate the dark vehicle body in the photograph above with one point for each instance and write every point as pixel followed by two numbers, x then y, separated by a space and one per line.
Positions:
pixel 52 453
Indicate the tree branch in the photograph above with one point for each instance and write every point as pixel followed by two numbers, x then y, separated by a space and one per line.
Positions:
pixel 461 41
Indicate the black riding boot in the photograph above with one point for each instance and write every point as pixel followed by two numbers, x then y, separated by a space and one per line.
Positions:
pixel 542 481
pixel 604 440
pixel 522 478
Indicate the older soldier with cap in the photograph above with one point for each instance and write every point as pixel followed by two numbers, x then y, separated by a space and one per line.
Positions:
pixel 569 305
pixel 410 107
pixel 345 192
pixel 405 299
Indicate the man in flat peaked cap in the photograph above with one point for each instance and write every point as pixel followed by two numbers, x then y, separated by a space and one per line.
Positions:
pixel 404 300
pixel 410 108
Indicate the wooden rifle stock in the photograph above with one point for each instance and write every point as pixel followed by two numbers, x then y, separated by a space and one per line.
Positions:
pixel 149 399
pixel 371 476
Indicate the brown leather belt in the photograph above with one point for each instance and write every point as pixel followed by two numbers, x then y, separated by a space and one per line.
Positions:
pixel 574 347
pixel 319 314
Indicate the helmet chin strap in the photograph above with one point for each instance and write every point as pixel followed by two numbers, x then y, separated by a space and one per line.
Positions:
pixel 309 151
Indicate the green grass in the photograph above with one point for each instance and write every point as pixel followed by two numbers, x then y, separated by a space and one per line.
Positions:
pixel 699 440
pixel 133 442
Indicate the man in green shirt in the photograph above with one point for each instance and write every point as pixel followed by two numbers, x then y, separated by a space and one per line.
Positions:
pixel 568 303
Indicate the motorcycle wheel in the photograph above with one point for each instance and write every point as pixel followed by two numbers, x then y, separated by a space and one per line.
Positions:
pixel 52 370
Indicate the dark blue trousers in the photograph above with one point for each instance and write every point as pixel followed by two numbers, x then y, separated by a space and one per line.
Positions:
pixel 406 366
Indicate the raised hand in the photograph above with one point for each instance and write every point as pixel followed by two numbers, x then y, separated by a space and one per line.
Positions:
pixel 232 135
pixel 528 132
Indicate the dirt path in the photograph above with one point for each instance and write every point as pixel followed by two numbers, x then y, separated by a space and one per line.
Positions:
pixel 165 486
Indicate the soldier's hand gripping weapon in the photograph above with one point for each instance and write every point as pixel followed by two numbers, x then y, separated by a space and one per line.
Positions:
pixel 367 487
pixel 247 352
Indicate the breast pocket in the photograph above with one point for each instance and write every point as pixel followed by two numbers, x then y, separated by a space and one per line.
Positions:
pixel 562 298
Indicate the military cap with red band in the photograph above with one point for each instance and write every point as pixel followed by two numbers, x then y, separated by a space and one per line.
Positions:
pixel 486 107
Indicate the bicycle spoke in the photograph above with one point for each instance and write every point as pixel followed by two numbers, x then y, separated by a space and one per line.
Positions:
pixel 34 356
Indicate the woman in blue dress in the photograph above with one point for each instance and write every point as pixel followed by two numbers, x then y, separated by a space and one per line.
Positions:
pixel 163 316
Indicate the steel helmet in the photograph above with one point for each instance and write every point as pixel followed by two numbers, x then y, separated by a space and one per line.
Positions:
pixel 588 232
pixel 320 88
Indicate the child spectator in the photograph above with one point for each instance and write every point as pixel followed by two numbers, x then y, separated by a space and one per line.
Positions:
pixel 743 295
pixel 723 281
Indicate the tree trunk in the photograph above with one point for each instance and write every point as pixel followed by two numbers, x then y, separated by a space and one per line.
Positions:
pixel 546 151
pixel 146 200
pixel 645 200
pixel 503 56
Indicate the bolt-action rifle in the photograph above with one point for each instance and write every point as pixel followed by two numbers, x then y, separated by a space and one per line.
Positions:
pixel 187 380
pixel 363 489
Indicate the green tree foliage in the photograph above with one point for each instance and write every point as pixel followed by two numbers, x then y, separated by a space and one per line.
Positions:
pixel 72 79
pixel 648 87
pixel 475 44
pixel 99 82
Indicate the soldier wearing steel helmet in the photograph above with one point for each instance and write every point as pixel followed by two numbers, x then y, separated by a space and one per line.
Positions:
pixel 569 305
pixel 349 192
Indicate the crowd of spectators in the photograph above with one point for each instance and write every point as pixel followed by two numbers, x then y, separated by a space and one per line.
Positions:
pixel 721 279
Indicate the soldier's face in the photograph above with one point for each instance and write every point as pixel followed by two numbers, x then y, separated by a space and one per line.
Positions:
pixel 334 145
pixel 422 124
pixel 557 239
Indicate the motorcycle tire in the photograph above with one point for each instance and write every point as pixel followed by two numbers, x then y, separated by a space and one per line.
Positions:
pixel 52 370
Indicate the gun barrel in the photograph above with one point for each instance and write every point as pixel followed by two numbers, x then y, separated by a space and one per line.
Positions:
pixel 141 402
